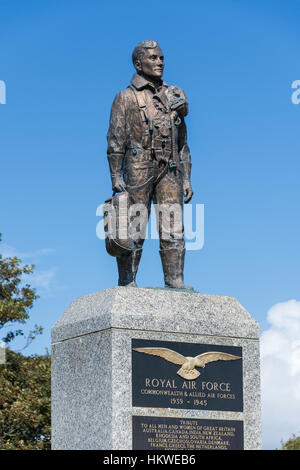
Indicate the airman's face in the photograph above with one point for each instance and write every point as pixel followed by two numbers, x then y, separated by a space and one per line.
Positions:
pixel 151 63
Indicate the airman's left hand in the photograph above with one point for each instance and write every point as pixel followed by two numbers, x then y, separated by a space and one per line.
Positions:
pixel 187 191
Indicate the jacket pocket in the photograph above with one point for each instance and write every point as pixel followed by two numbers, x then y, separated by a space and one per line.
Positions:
pixel 138 174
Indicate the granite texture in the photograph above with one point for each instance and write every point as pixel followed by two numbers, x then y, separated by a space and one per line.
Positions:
pixel 91 361
pixel 2 354
pixel 82 393
pixel 155 310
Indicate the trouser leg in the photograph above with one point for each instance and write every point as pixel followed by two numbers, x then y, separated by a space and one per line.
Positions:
pixel 139 209
pixel 127 267
pixel 169 208
pixel 173 267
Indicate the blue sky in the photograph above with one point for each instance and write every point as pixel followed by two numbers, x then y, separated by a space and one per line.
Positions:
pixel 64 60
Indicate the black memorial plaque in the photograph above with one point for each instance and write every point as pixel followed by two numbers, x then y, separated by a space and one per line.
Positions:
pixel 159 383
pixel 153 433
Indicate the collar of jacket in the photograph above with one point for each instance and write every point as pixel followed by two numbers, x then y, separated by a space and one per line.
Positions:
pixel 140 82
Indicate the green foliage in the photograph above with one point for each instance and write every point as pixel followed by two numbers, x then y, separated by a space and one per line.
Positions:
pixel 25 394
pixel 24 381
pixel 291 444
pixel 15 299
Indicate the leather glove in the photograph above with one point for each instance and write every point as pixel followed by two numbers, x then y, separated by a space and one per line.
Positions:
pixel 187 191
pixel 118 184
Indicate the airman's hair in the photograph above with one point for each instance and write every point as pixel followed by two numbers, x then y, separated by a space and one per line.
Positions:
pixel 140 49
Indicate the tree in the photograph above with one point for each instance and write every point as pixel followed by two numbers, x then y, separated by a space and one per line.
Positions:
pixel 25 404
pixel 15 299
pixel 291 444
pixel 24 381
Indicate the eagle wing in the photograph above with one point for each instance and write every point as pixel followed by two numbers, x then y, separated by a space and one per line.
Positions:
pixel 167 354
pixel 212 356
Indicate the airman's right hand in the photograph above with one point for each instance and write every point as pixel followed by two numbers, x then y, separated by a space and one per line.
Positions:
pixel 118 184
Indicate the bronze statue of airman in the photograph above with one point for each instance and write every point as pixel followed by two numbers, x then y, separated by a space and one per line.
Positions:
pixel 149 157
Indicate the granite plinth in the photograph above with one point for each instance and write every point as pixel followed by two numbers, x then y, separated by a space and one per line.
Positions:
pixel 92 361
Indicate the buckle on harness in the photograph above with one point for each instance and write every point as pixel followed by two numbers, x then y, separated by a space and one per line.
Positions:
pixel 172 164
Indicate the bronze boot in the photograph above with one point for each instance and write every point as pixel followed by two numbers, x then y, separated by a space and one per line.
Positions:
pixel 173 264
pixel 127 266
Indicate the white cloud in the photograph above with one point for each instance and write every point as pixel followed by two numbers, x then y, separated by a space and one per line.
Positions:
pixel 280 372
pixel 8 251
pixel 43 280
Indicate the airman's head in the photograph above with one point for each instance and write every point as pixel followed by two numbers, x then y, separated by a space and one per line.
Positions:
pixel 148 59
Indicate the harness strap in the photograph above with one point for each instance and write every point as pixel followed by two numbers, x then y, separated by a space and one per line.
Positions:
pixel 140 100
pixel 165 155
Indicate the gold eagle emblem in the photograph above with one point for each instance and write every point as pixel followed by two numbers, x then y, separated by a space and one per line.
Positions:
pixel 188 364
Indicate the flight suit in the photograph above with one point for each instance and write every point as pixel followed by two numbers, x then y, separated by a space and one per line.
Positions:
pixel 147 146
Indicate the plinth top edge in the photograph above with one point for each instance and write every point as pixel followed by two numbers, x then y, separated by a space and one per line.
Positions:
pixel 155 309
pixel 133 291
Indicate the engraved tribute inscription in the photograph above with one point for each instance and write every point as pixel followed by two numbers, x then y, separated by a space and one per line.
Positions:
pixel 151 433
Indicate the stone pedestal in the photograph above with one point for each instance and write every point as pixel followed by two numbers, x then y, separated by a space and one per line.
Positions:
pixel 109 393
